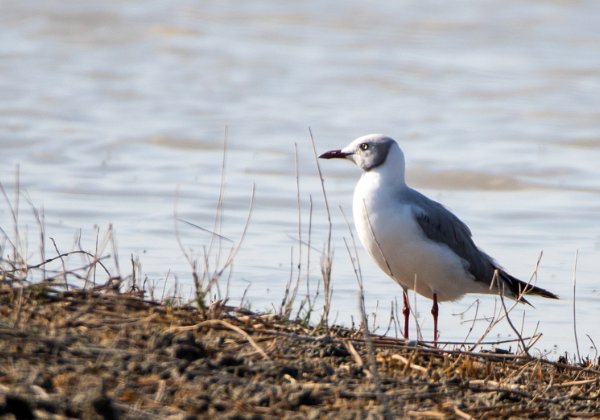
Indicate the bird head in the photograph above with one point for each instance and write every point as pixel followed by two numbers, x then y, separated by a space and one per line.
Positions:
pixel 367 152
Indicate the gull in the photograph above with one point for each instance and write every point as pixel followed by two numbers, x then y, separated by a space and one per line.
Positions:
pixel 415 240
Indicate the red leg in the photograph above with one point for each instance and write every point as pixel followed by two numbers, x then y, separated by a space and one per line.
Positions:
pixel 434 312
pixel 405 312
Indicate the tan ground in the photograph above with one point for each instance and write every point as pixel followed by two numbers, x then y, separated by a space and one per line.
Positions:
pixel 103 354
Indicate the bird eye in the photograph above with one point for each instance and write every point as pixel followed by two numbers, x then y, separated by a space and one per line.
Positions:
pixel 364 146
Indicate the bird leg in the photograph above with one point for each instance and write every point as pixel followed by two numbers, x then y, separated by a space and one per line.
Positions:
pixel 434 312
pixel 405 312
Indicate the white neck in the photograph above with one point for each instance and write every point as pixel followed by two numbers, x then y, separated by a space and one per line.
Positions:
pixel 391 172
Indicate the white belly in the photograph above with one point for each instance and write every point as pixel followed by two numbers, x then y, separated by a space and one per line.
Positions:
pixel 389 231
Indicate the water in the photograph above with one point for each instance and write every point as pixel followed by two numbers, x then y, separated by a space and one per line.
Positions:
pixel 115 113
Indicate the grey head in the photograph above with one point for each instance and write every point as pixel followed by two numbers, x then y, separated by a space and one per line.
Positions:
pixel 367 152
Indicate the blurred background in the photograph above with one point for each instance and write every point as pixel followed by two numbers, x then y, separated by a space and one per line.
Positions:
pixel 116 113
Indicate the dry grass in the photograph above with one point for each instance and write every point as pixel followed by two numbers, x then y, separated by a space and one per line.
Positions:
pixel 85 353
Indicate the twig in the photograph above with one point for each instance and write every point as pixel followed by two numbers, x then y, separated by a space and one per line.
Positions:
pixel 352 350
pixel 574 300
pixel 203 229
pixel 236 248
pixel 294 290
pixel 62 261
pixel 519 336
pixel 14 212
pixel 218 223
pixel 307 299
pixel 576 383
pixel 327 258
pixel 459 413
pixel 594 346
pixel 408 363
pixel 476 303
pixel 215 322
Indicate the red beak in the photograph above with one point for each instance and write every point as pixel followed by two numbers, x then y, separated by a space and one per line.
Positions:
pixel 334 154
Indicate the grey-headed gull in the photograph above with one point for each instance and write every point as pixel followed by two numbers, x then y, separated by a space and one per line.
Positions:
pixel 415 240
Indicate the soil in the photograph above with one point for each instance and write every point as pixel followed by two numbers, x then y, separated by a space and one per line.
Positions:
pixel 105 354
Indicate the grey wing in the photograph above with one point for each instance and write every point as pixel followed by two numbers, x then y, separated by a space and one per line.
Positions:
pixel 440 225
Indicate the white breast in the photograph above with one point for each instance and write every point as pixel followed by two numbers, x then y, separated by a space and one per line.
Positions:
pixel 388 229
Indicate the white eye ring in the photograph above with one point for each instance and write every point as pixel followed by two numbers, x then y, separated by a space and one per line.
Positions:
pixel 364 146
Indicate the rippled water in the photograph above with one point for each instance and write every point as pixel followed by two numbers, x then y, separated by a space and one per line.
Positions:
pixel 116 112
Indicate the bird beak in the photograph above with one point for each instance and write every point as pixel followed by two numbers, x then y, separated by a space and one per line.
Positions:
pixel 335 154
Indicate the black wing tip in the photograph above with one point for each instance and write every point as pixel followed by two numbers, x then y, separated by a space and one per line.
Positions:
pixel 528 289
pixel 545 293
pixel 521 288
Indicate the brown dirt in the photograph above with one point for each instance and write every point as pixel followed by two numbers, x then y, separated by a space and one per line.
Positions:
pixel 79 354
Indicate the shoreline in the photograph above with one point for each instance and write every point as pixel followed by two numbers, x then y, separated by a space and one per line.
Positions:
pixel 107 354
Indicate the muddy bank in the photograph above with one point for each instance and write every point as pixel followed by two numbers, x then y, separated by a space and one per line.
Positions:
pixel 105 354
